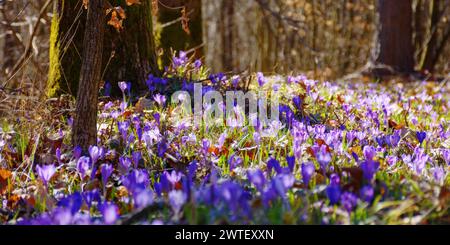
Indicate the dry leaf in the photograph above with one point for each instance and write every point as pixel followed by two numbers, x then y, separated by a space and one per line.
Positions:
pixel 115 22
pixel 85 4
pixel 5 175
pixel 131 2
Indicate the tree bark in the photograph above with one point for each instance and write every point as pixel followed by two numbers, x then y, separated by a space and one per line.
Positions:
pixel 84 131
pixel 394 39
pixel 129 55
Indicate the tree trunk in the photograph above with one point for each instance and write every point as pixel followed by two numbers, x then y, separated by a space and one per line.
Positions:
pixel 394 38
pixel 66 47
pixel 84 131
pixel 430 54
pixel 172 35
pixel 129 55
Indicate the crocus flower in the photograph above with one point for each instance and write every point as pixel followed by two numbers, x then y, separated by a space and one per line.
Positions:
pixel 291 162
pixel 348 201
pixel 367 193
pixel 95 152
pixel 174 177
pixel 273 164
pixel 77 150
pixel 72 202
pixel 421 136
pixel 110 213
pixel 177 199
pixel 58 155
pixel 107 89
pixel 446 156
pixel 369 169
pixel 197 64
pixel 333 193
pixel 83 165
pixel 234 161
pixel 106 170
pixel 307 172
pixel 123 86
pixel 143 198
pixel 90 197
pixel 160 99
pixel 257 178
pixel 297 102
pixel 124 164
pixel 137 156
pixel 261 79
pixel 323 157
pixel 395 138
pixel 45 172
pixel 369 152
pixel 162 148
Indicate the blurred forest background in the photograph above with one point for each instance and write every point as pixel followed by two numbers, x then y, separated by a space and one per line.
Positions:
pixel 324 39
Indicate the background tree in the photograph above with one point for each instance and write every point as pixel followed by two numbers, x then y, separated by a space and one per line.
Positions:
pixel 394 42
pixel 84 131
pixel 129 46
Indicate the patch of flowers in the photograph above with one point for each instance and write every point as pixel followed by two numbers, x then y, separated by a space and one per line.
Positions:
pixel 343 153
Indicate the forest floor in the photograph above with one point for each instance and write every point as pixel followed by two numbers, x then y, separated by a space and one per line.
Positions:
pixel 344 153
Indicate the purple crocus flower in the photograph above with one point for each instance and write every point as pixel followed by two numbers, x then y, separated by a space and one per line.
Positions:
pixel 369 168
pixel 91 196
pixel 446 156
pixel 421 136
pixel 197 64
pixel 137 156
pixel 348 201
pixel 307 172
pixel 83 165
pixel 77 150
pixel 160 99
pixel 395 138
pixel 291 162
pixel 58 155
pixel 323 157
pixel 367 193
pixel 177 199
pixel 143 198
pixel 72 202
pixel 297 102
pixel 107 89
pixel 106 170
pixel 110 213
pixel 333 193
pixel 257 178
pixel 45 172
pixel 123 86
pixel 261 79
pixel 162 148
pixel 369 152
pixel 335 179
pixel 124 164
pixel 95 152
pixel 174 177
pixel 234 161
pixel 273 164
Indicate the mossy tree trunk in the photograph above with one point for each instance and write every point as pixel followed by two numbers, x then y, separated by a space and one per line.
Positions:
pixel 172 36
pixel 128 55
pixel 66 47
